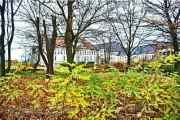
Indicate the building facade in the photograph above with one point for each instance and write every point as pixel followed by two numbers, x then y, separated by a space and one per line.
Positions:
pixel 85 52
pixel 106 52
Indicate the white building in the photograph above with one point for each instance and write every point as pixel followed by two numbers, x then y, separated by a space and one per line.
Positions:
pixel 96 54
pixel 85 52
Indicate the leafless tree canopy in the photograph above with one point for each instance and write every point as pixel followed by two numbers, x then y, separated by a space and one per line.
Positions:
pixel 127 22
pixel 166 18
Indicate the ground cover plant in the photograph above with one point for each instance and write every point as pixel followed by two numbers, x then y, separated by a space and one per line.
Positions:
pixel 87 95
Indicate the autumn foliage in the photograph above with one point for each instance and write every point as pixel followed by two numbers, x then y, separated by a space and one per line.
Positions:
pixel 119 65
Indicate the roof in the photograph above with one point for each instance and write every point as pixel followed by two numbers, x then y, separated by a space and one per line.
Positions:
pixel 60 42
pixel 82 43
pixel 115 47
pixel 144 49
pixel 85 44
pixel 109 46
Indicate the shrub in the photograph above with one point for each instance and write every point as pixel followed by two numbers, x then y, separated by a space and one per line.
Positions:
pixel 165 64
pixel 168 63
pixel 119 65
pixel 167 68
pixel 132 64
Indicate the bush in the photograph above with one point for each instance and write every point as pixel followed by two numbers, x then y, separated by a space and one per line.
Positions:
pixel 132 64
pixel 119 65
pixel 167 68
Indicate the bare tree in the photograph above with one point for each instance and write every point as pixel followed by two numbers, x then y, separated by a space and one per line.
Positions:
pixel 11 27
pixel 167 21
pixel 2 62
pixel 35 14
pixel 75 17
pixel 128 27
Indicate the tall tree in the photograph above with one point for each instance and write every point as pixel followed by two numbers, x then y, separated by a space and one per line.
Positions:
pixel 50 45
pixel 46 32
pixel 11 28
pixel 128 27
pixel 75 17
pixel 2 51
pixel 167 21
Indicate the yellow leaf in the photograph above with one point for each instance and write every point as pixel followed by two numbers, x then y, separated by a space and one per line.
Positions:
pixel 72 113
pixel 59 95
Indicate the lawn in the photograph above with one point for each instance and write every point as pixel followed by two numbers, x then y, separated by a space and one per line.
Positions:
pixel 88 95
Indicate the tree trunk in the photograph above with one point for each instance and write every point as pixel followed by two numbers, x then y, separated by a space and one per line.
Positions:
pixel 40 42
pixel 176 49
pixel 11 39
pixel 2 51
pixel 128 60
pixel 69 53
pixel 50 45
pixel 36 64
pixel 129 53
pixel 51 66
pixel 69 35
pixel 175 44
pixel 9 58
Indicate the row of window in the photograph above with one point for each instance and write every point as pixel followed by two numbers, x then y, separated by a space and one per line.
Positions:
pixel 59 51
pixel 83 58
pixel 86 52
pixel 87 58
pixel 62 51
pixel 139 57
